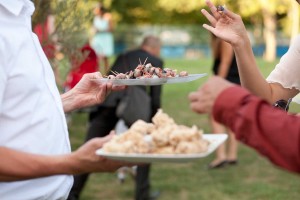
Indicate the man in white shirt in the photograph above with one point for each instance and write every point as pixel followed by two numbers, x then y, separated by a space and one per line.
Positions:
pixel 35 153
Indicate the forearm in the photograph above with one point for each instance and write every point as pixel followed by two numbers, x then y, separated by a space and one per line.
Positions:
pixel 270 131
pixel 251 77
pixel 70 102
pixel 17 165
pixel 223 70
pixel 226 58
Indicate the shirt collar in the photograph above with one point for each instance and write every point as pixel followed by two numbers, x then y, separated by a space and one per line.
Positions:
pixel 16 6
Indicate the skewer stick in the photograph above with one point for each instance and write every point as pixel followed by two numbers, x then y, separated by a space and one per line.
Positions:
pixel 140 61
pixel 145 61
pixel 114 72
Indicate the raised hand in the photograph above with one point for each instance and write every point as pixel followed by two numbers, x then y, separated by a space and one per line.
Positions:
pixel 225 25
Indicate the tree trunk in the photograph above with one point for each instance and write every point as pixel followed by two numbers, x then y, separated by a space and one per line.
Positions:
pixel 269 35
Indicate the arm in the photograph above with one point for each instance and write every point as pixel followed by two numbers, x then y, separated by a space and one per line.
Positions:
pixel 226 56
pixel 17 165
pixel 230 28
pixel 271 132
pixel 251 77
pixel 110 22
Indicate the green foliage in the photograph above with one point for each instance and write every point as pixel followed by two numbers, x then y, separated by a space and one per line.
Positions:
pixel 72 25
pixel 154 12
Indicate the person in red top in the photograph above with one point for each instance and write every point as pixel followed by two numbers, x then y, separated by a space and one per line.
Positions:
pixel 79 67
pixel 272 132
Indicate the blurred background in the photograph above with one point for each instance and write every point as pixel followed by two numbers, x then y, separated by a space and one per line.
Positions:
pixel 271 25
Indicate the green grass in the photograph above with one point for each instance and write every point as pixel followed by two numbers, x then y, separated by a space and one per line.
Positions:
pixel 254 178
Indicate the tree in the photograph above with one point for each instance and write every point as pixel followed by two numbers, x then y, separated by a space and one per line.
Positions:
pixel 268 9
pixel 72 22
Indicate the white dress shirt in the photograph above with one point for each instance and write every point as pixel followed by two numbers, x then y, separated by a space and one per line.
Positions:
pixel 31 113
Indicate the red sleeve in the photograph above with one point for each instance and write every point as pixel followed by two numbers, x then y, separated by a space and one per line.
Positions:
pixel 272 132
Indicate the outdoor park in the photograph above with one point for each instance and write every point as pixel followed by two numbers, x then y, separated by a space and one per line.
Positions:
pixel 253 178
pixel 185 46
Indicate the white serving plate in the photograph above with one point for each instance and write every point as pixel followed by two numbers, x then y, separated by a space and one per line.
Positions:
pixel 151 81
pixel 214 139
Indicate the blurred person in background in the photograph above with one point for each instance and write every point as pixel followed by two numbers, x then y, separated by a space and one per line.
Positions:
pixel 35 152
pixel 104 119
pixel 86 62
pixel 225 66
pixel 103 40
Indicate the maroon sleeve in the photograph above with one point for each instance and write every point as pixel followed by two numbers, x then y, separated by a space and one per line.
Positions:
pixel 272 132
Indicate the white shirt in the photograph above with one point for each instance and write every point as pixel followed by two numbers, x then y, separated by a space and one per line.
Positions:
pixel 31 113
pixel 287 71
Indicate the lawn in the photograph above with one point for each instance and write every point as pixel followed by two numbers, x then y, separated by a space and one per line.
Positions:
pixel 254 178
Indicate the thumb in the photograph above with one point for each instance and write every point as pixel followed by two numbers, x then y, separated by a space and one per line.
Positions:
pixel 108 137
pixel 95 75
pixel 99 141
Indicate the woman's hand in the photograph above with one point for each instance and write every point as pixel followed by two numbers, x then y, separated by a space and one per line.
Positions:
pixel 225 25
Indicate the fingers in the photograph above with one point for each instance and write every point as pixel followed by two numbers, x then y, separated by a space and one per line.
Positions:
pixel 108 137
pixel 193 96
pixel 112 132
pixel 195 101
pixel 216 14
pixel 210 18
pixel 196 107
pixel 209 28
pixel 213 9
pixel 95 75
pixel 109 87
pixel 230 14
pixel 118 87
pixel 98 142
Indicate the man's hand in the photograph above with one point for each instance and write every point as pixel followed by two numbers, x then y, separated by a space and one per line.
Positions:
pixel 85 159
pixel 87 92
pixel 202 101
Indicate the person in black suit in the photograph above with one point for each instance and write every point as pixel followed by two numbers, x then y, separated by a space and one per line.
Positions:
pixel 104 118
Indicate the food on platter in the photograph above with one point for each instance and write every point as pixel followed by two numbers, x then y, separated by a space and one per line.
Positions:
pixel 163 136
pixel 143 71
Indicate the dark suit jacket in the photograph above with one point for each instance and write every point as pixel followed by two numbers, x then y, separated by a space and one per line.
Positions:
pixel 129 61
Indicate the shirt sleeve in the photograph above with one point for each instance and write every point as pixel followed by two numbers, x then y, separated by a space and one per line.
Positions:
pixel 272 132
pixel 3 74
pixel 287 71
